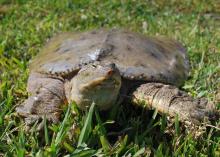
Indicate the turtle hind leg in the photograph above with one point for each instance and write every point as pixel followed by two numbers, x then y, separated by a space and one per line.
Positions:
pixel 172 101
pixel 46 97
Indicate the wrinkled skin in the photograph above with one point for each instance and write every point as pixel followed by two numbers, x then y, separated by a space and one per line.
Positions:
pixel 46 96
pixel 168 99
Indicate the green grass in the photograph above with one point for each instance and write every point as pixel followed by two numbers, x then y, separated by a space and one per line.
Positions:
pixel 26 25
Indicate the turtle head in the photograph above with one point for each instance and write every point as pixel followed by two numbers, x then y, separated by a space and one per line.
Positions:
pixel 96 83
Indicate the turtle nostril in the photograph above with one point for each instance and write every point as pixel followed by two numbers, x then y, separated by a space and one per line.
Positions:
pixel 110 72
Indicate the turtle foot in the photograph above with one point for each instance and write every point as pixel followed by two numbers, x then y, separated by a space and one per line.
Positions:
pixel 35 112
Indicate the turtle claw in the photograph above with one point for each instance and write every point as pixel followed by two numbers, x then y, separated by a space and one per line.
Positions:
pixel 33 123
pixel 202 110
pixel 198 114
pixel 38 121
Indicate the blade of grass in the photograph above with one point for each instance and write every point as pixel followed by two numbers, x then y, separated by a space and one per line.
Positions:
pixel 45 130
pixel 102 133
pixel 62 127
pixel 139 152
pixel 86 130
pixel 177 125
pixel 83 153
pixel 54 149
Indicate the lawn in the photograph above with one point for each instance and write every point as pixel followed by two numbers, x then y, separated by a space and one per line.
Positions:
pixel 26 25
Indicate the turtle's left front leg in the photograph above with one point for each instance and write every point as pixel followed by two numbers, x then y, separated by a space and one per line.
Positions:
pixel 45 100
pixel 170 100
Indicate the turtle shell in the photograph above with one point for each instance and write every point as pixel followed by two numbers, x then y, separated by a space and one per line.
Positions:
pixel 137 57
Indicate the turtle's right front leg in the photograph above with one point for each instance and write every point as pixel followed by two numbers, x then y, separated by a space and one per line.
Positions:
pixel 46 97
pixel 170 100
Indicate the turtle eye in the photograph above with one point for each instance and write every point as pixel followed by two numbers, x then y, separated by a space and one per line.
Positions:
pixel 94 66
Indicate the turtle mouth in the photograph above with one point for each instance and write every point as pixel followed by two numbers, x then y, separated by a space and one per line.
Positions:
pixel 102 82
pixel 111 83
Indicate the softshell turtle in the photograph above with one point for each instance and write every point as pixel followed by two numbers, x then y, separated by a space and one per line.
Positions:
pixel 93 66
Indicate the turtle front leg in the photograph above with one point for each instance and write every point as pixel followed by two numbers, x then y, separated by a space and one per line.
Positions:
pixel 172 101
pixel 46 96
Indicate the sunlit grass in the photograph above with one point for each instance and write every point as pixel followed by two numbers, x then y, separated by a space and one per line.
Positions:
pixel 25 26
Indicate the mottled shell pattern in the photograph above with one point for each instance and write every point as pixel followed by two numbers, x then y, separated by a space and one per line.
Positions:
pixel 138 57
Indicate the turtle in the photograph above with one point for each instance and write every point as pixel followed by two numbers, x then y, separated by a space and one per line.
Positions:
pixel 99 66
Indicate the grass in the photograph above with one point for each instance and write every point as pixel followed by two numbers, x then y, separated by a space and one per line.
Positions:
pixel 26 25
